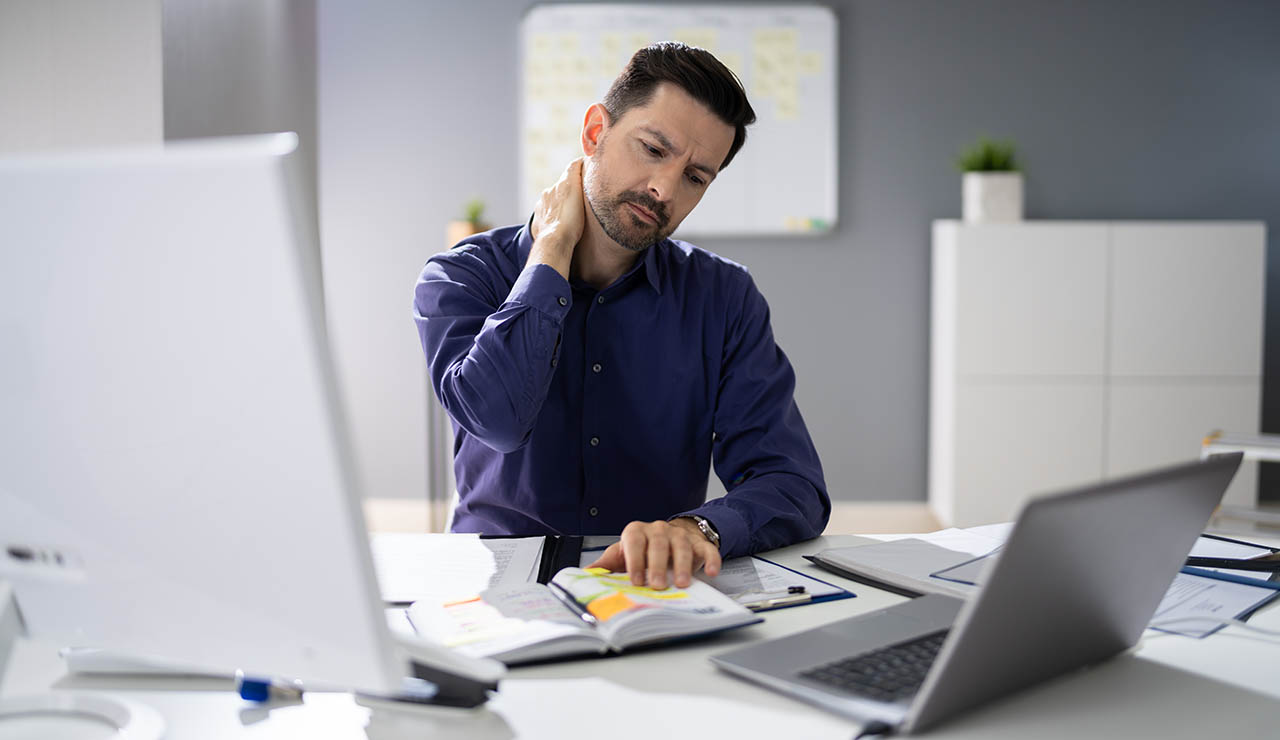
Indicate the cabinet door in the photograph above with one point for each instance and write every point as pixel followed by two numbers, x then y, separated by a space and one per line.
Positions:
pixel 1017 439
pixel 1187 299
pixel 1030 299
pixel 1153 423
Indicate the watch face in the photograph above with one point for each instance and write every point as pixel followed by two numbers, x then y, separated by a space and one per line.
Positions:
pixel 709 531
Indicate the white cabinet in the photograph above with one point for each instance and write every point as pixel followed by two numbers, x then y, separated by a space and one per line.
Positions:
pixel 1067 352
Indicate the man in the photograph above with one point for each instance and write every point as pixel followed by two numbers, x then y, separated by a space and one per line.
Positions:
pixel 592 366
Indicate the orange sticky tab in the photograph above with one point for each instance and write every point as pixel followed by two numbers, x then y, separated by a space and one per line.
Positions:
pixel 606 607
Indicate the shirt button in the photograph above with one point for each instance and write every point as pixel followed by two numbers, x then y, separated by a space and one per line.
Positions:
pixel 595 441
pixel 593 511
pixel 599 299
pixel 595 368
pixel 563 301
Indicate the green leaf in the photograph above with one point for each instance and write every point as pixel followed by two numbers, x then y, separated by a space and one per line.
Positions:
pixel 988 156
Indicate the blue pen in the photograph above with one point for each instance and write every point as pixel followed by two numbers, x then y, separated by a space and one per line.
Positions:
pixel 1232 577
pixel 264 690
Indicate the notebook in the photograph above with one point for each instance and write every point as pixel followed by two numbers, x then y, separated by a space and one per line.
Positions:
pixel 581 611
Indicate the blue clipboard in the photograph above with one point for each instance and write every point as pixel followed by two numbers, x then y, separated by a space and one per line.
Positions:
pixel 1270 582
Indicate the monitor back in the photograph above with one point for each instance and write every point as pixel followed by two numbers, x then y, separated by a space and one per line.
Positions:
pixel 175 476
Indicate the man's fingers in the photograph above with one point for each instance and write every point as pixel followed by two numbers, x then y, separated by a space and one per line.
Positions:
pixel 611 559
pixel 681 558
pixel 633 552
pixel 659 554
pixel 710 558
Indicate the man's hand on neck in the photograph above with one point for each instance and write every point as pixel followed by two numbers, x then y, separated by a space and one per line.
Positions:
pixel 558 221
pixel 568 237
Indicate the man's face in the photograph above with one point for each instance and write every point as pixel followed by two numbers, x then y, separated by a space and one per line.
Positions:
pixel 652 165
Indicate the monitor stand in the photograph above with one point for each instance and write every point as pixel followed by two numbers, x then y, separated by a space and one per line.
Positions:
pixel 64 714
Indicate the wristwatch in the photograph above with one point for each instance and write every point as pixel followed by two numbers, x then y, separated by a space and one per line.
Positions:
pixel 705 526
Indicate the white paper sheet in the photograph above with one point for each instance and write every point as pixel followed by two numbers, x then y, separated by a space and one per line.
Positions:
pixel 445 567
pixel 747 580
pixel 975 541
pixel 1207 598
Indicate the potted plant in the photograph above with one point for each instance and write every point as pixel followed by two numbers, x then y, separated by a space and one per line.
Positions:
pixel 992 182
pixel 471 223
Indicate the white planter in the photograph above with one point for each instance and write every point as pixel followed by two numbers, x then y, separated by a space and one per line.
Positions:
pixel 992 197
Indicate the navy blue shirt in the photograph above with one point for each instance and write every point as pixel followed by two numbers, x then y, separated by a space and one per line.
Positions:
pixel 577 411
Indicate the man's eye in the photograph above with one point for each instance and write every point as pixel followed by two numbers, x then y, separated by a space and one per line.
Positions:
pixel 696 180
pixel 653 151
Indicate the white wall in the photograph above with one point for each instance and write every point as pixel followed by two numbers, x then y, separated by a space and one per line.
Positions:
pixel 79 73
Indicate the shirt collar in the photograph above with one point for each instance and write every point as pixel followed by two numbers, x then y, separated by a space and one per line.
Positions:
pixel 652 265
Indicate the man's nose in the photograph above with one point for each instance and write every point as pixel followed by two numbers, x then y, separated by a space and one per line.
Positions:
pixel 662 184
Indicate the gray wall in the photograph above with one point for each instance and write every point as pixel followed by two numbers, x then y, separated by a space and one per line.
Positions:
pixel 77 74
pixel 1159 109
pixel 242 67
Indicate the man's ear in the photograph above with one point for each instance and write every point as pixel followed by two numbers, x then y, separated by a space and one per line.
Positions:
pixel 594 124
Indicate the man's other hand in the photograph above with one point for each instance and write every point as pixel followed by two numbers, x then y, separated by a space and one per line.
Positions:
pixel 648 549
pixel 558 221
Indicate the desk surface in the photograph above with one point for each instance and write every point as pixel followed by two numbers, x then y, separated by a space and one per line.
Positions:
pixel 1170 686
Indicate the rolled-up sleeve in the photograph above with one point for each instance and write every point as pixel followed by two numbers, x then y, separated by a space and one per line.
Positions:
pixel 490 354
pixel 763 454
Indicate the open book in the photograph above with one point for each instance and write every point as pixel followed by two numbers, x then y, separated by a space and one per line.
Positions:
pixel 579 612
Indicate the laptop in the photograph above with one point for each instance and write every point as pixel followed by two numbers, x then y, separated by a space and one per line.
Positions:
pixel 1076 583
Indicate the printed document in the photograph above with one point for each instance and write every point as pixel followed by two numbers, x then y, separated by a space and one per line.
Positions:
pixel 445 567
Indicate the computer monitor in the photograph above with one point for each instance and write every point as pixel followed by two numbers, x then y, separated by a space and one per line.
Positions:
pixel 176 479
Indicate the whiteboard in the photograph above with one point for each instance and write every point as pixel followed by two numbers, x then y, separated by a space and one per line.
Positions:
pixel 783 180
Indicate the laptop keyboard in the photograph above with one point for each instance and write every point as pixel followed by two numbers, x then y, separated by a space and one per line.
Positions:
pixel 888 674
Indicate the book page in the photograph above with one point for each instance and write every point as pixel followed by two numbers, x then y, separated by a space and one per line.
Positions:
pixel 447 567
pixel 500 623
pixel 628 614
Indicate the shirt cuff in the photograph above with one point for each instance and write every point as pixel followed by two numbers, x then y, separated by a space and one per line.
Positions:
pixel 729 524
pixel 541 287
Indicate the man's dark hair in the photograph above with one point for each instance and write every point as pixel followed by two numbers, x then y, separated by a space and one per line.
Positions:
pixel 694 70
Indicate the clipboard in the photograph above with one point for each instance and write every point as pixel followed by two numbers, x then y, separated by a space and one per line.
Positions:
pixel 1262 579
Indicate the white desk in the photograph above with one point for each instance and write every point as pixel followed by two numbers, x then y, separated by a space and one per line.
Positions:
pixel 1171 687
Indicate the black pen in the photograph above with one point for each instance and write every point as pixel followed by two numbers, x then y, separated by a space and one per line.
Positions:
pixel 562 593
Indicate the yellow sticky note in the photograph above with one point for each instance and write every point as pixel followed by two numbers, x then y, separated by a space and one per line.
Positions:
pixel 611 43
pixel 809 63
pixel 732 60
pixel 700 37
pixel 567 43
pixel 774 37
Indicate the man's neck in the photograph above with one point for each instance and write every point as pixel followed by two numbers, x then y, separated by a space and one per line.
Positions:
pixel 597 259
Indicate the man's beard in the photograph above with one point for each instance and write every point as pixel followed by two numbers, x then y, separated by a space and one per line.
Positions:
pixel 626 228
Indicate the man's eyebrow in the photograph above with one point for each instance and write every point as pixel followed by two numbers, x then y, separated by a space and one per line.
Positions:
pixel 666 144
